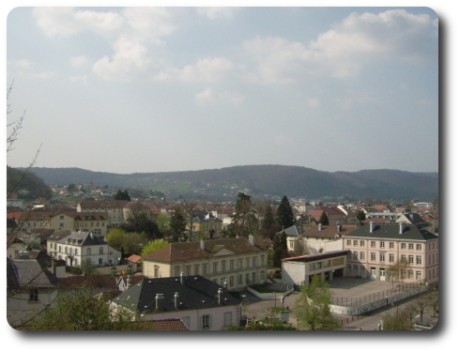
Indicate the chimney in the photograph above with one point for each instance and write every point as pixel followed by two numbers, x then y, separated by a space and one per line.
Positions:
pixel 181 278
pixel 157 300
pixel 251 239
pixel 320 227
pixel 371 227
pixel 53 266
pixel 202 244
pixel 176 300
pixel 219 293
pixel 128 281
pixel 401 227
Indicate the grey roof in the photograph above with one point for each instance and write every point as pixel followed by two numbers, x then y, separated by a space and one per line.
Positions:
pixel 76 238
pixel 391 231
pixel 196 292
pixel 29 273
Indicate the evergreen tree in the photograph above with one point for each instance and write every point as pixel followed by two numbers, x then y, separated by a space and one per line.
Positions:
pixel 177 225
pixel 244 221
pixel 280 250
pixel 122 195
pixel 324 220
pixel 284 214
pixel 360 215
pixel 269 226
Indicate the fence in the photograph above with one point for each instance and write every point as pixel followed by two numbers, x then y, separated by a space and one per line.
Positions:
pixel 376 296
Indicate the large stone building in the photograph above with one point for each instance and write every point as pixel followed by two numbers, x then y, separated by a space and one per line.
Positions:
pixel 231 262
pixel 398 251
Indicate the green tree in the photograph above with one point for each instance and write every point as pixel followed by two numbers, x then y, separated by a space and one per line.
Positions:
pixel 284 214
pixel 280 250
pixel 122 195
pixel 361 215
pixel 269 226
pixel 177 224
pixel 80 311
pixel 244 221
pixel 162 221
pixel 153 246
pixel 397 321
pixel 141 223
pixel 324 220
pixel 312 308
pixel 127 242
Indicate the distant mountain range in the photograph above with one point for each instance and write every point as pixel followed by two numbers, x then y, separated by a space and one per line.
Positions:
pixel 258 181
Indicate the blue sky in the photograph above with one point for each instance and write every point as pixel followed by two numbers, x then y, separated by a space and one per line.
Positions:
pixel 167 89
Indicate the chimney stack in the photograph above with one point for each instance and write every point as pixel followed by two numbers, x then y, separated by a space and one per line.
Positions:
pixel 371 227
pixel 401 227
pixel 176 300
pixel 320 227
pixel 157 300
pixel 219 293
pixel 202 244
pixel 251 239
pixel 181 278
pixel 128 281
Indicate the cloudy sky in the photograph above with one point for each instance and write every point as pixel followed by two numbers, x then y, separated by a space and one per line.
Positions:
pixel 167 89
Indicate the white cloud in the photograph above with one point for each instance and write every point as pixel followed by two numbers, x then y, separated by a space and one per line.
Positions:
pixel 23 64
pixel 342 51
pixel 45 75
pixel 313 102
pixel 152 22
pixel 129 60
pixel 78 61
pixel 204 70
pixel 209 96
pixel 217 12
pixel 79 79
pixel 356 98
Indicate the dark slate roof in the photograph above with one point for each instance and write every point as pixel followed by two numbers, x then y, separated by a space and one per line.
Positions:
pixel 391 231
pixel 196 292
pixel 76 238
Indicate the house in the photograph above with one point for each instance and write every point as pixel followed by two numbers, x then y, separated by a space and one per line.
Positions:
pixel 413 218
pixel 113 208
pixel 205 224
pixel 79 247
pixel 300 270
pixel 199 303
pixel 31 288
pixel 375 251
pixel 14 246
pixel 234 262
pixel 319 239
pixel 334 214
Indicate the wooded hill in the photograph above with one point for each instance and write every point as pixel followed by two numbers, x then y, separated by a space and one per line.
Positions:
pixel 259 180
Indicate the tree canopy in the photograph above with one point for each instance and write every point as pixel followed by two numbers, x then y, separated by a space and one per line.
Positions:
pixel 284 214
pixel 153 246
pixel 122 195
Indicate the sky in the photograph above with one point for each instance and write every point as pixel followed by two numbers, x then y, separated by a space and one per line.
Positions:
pixel 128 90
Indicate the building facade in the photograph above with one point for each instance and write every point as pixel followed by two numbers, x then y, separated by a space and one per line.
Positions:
pixel 231 262
pixel 392 252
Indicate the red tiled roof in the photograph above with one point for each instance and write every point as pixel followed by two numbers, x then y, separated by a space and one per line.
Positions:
pixel 134 258
pixel 90 281
pixel 163 325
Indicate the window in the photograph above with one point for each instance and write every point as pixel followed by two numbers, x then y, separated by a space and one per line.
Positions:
pixel 410 274
pixel 240 279
pixel 419 259
pixel 361 255
pixel 355 242
pixel 197 269
pixel 156 271
pixel 262 259
pixel 262 277
pixel 392 258
pixel 382 257
pixel 372 243
pixel 248 279
pixel 392 245
pixel 101 250
pixel 206 321
pixel 355 255
pixel 361 270
pixel 247 262
pixel 254 262
pixel 411 259
pixel 348 242
pixel 361 243
pixel 204 268
pixel 231 281
pixel 403 258
pixel 177 271
pixel 224 265
pixel 100 261
pixel 228 319
pixel 188 269
pixel 403 246
pixel 88 251
pixel 232 265
pixel 240 263
pixel 419 247
pixel 418 275
pixel 382 244
pixel 411 246
pixel 373 256
pixel 33 295
pixel 214 267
